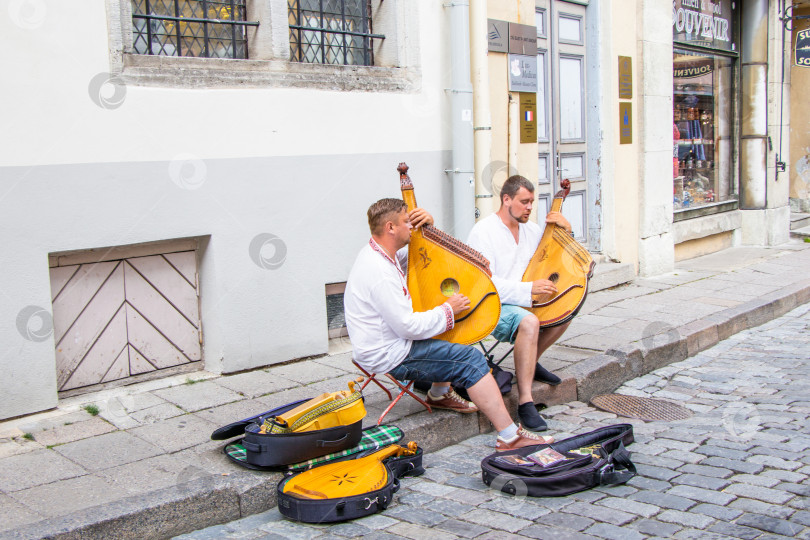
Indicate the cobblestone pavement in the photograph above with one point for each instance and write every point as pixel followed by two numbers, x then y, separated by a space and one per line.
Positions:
pixel 738 468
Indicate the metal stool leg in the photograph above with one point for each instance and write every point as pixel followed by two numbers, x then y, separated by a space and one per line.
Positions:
pixel 372 377
pixel 406 389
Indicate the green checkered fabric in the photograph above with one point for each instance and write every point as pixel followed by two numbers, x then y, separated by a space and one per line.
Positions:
pixel 373 438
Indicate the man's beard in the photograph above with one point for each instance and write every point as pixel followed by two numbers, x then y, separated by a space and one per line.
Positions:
pixel 519 219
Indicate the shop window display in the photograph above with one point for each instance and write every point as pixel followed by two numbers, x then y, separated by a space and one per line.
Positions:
pixel 702 129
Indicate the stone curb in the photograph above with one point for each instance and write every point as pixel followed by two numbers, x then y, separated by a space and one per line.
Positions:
pixel 204 502
pixel 164 513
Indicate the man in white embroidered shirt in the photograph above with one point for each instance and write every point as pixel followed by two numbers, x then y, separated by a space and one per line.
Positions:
pixel 389 337
pixel 508 240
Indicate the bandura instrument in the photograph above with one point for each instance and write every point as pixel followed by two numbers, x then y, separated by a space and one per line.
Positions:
pixel 566 263
pixel 440 266
pixel 325 411
pixel 347 478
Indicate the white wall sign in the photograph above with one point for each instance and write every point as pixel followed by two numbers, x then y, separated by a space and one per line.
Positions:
pixel 522 73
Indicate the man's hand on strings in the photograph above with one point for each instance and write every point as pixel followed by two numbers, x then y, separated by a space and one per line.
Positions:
pixel 543 290
pixel 558 219
pixel 459 303
pixel 419 217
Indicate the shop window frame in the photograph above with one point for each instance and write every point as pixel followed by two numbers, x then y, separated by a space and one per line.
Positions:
pixel 732 203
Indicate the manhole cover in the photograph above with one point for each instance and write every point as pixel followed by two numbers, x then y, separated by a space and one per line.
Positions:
pixel 639 407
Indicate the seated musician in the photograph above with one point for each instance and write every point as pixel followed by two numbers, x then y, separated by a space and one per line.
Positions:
pixel 508 240
pixel 389 337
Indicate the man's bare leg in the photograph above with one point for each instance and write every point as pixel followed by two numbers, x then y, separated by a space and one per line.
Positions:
pixel 487 396
pixel 549 337
pixel 525 354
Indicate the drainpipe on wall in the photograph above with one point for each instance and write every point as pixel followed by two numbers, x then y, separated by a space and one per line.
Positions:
pixel 513 134
pixel 754 97
pixel 482 123
pixel 461 99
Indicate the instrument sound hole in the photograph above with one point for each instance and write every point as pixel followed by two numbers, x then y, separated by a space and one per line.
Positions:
pixel 449 287
pixel 554 278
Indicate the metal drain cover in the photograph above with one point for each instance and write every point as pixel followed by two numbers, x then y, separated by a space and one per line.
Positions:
pixel 639 407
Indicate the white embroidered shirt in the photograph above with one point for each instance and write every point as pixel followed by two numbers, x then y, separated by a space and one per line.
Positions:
pixel 507 259
pixel 380 318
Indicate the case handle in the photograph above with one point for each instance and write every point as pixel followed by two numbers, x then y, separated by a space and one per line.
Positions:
pixel 251 447
pixel 326 444
pixel 609 475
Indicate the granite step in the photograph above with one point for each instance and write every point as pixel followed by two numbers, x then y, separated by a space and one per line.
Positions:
pixel 799 220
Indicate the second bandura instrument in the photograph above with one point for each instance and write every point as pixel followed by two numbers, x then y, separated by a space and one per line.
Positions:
pixel 346 478
pixel 325 411
pixel 566 263
pixel 440 266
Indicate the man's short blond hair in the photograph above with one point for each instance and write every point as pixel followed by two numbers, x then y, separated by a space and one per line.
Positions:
pixel 383 211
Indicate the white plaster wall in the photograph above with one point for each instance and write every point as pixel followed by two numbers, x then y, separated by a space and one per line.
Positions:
pixel 231 164
pixel 55 120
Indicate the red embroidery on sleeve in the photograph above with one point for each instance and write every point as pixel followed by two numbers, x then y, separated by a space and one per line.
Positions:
pixel 450 321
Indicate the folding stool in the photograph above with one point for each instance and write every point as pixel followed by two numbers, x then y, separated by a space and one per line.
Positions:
pixel 404 389
pixel 490 355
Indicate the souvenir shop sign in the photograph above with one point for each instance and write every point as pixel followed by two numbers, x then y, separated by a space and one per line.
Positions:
pixel 689 67
pixel 707 23
pixel 803 48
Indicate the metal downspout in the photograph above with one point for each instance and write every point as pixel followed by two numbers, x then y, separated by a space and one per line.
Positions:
pixel 461 100
pixel 754 97
pixel 482 122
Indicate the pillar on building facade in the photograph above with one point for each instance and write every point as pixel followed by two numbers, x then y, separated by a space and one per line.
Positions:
pixel 754 105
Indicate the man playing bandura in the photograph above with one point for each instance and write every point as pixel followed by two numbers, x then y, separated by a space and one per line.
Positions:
pixel 389 337
pixel 508 240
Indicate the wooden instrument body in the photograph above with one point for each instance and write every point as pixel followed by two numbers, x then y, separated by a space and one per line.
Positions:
pixel 346 478
pixel 315 407
pixel 565 262
pixel 440 266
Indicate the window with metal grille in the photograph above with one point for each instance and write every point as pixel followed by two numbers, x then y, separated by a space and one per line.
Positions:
pixel 200 28
pixel 331 32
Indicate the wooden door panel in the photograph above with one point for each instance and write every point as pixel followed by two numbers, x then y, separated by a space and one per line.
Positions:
pixel 88 326
pixel 153 345
pixel 137 363
pixel 60 277
pixel 93 366
pixel 120 368
pixel 160 313
pixel 185 262
pixel 165 284
pixel 77 294
pixel 121 318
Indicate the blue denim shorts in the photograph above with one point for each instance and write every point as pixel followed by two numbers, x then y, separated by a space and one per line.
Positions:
pixel 434 360
pixel 508 323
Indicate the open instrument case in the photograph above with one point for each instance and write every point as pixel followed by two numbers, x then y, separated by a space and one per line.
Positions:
pixel 348 489
pixel 298 431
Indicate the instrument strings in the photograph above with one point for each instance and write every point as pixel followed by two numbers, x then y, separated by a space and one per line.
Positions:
pixel 572 247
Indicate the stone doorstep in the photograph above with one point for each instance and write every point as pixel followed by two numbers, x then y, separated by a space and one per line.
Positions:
pixel 213 500
pixel 799 220
pixel 610 274
pixel 801 232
